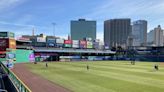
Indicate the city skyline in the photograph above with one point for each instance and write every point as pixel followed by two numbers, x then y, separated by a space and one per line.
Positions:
pixel 20 16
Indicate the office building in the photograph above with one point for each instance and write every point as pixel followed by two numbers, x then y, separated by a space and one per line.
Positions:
pixel 156 37
pixel 83 29
pixel 139 33
pixel 116 32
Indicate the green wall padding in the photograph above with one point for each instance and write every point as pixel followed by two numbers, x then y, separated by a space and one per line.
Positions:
pixel 22 56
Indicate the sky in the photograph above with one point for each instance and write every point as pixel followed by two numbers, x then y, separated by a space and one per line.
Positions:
pixel 22 16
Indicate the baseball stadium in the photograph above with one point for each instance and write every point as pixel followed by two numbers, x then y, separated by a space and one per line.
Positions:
pixel 43 67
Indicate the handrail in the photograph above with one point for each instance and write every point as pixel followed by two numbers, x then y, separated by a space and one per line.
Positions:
pixel 2 90
pixel 17 82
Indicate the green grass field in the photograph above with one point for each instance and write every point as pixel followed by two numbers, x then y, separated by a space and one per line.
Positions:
pixel 110 76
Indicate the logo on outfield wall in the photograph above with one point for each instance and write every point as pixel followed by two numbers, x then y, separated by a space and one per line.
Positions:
pixel 32 57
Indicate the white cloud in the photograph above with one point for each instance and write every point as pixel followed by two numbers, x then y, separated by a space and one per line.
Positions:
pixel 15 24
pixel 9 4
pixel 24 19
pixel 150 10
pixel 127 8
pixel 100 36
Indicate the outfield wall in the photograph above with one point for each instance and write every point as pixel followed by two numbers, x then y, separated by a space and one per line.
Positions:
pixel 22 56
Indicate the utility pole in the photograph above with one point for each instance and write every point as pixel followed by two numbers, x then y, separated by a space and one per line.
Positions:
pixel 54 24
pixel 33 31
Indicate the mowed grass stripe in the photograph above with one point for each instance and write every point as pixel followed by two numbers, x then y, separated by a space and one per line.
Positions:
pixel 150 73
pixel 126 64
pixel 98 79
pixel 121 76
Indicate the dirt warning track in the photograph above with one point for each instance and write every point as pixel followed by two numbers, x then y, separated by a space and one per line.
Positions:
pixel 36 83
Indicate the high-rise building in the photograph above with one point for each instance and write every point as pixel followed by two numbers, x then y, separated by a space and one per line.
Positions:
pixel 83 29
pixel 139 33
pixel 116 32
pixel 156 37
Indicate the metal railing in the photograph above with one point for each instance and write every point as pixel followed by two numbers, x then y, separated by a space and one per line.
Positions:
pixel 15 80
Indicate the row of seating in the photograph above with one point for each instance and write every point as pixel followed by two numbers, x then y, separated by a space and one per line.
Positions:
pixel 5 83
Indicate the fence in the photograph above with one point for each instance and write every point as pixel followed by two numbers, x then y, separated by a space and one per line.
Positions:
pixel 15 80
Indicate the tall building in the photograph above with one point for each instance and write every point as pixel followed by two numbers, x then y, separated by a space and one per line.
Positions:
pixel 156 37
pixel 139 33
pixel 150 38
pixel 83 29
pixel 116 32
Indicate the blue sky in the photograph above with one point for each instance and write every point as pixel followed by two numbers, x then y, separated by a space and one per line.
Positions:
pixel 21 16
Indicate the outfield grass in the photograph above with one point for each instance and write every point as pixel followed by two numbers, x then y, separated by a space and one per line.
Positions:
pixel 103 76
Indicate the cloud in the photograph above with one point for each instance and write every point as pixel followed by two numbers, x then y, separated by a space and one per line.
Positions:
pixel 15 24
pixel 9 4
pixel 24 19
pixel 150 10
pixel 100 35
pixel 126 8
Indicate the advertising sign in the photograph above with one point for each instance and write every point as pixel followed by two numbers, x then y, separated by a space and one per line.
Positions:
pixel 4 43
pixel 23 39
pixel 11 56
pixel 59 45
pixel 88 39
pixel 60 41
pixel 10 64
pixel 51 42
pixel 96 45
pixel 7 35
pixel 3 34
pixel 83 44
pixel 67 45
pixel 12 43
pixel 32 57
pixel 89 44
pixel 2 55
pixel 11 35
pixel 41 39
pixel 75 45
pixel 106 47
pixel 67 41
pixel 74 42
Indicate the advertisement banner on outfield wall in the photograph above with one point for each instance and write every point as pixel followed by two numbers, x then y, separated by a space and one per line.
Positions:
pixel 32 57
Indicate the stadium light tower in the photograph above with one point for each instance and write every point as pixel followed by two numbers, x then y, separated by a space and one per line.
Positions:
pixel 54 24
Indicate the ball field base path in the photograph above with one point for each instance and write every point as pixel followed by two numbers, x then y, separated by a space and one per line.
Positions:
pixel 34 82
